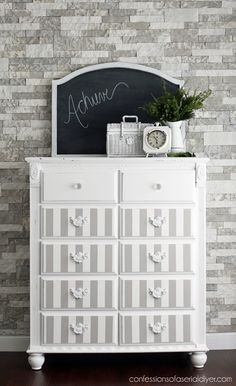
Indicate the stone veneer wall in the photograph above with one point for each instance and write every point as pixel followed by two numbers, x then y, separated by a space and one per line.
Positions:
pixel 43 40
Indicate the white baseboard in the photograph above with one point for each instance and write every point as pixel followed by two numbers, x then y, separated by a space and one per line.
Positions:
pixel 221 341
pixel 14 343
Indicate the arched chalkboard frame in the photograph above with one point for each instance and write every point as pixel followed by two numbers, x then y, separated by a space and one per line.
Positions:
pixel 84 101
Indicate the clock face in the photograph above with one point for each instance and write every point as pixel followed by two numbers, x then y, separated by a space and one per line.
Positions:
pixel 156 139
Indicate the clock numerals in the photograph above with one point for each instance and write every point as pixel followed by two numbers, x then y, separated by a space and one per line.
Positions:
pixel 156 139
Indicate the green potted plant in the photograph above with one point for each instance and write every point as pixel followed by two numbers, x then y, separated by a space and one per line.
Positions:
pixel 174 108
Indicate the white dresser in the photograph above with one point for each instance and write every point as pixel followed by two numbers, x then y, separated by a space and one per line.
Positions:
pixel 117 256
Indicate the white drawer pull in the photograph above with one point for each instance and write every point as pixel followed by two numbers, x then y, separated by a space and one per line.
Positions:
pixel 79 293
pixel 156 186
pixel 157 328
pixel 77 186
pixel 157 257
pixel 79 221
pixel 79 257
pixel 79 328
pixel 158 292
pixel 157 221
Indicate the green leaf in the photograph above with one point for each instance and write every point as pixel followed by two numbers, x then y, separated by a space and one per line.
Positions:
pixel 178 106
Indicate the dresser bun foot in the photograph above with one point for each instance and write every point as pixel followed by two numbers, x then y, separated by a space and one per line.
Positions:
pixel 36 361
pixel 198 359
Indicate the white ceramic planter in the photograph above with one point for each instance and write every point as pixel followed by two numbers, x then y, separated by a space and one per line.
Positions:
pixel 177 144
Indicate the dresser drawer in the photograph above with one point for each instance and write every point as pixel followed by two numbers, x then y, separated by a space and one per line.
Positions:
pixel 151 257
pixel 156 222
pixel 80 186
pixel 79 329
pixel 156 329
pixel 158 185
pixel 78 258
pixel 164 293
pixel 78 294
pixel 79 222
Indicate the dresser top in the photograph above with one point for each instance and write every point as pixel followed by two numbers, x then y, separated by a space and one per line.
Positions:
pixel 144 161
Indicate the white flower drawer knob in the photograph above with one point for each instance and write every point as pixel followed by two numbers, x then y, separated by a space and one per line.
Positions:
pixel 79 328
pixel 157 257
pixel 79 293
pixel 157 221
pixel 79 221
pixel 157 328
pixel 79 257
pixel 157 292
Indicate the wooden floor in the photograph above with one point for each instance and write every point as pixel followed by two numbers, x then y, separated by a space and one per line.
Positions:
pixel 114 369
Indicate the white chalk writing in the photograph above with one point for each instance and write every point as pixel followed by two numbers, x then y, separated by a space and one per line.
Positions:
pixel 87 103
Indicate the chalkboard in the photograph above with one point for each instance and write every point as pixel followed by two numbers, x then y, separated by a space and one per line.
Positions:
pixel 85 101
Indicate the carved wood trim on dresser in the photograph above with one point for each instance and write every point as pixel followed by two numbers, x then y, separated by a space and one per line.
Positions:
pixel 117 256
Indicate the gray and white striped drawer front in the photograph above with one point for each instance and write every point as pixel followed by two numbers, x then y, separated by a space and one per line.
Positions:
pixel 80 186
pixel 79 329
pixel 153 293
pixel 79 222
pixel 158 185
pixel 156 222
pixel 151 257
pixel 156 329
pixel 78 294
pixel 78 258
